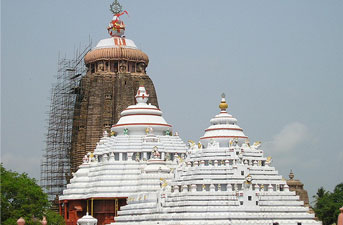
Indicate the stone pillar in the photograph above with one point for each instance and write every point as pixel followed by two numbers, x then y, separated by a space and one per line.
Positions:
pixel 60 207
pixel 202 163
pixel 229 187
pixel 193 188
pixel 212 187
pixel 65 210
pixel 270 187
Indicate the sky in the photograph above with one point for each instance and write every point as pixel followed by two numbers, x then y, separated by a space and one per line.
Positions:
pixel 280 64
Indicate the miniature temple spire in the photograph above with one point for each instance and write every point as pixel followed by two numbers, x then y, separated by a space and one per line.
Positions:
pixel 223 105
pixel 142 95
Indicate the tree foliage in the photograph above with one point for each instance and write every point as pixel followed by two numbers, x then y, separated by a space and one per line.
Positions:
pixel 22 197
pixel 327 204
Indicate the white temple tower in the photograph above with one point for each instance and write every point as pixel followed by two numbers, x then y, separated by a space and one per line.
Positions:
pixel 223 181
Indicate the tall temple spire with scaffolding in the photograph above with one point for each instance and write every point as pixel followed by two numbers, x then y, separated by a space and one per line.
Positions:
pixel 116 69
pixel 91 92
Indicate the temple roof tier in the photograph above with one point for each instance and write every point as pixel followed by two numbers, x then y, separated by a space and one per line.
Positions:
pixel 223 128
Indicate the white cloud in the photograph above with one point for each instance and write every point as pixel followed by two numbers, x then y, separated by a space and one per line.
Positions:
pixel 291 136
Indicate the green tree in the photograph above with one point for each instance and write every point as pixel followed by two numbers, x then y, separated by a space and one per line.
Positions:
pixel 22 197
pixel 327 204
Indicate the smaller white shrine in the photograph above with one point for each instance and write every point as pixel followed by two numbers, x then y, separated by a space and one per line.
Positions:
pixel 222 180
pixel 139 156
pixel 87 220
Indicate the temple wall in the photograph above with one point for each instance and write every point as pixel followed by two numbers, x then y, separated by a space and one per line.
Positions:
pixel 103 95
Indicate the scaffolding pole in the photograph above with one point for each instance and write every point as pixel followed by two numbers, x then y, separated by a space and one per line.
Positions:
pixel 55 165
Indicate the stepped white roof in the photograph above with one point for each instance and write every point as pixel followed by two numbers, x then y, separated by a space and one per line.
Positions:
pixel 223 128
pixel 139 156
pixel 222 181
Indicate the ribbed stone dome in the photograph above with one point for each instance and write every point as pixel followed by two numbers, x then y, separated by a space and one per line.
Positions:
pixel 116 48
pixel 116 54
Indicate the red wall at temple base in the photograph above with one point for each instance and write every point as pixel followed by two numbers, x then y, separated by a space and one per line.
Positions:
pixel 104 209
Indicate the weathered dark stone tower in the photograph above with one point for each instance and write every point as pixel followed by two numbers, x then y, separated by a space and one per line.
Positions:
pixel 116 68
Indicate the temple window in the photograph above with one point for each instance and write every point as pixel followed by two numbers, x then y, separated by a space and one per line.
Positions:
pixel 242 173
pixel 124 156
pixel 92 68
pixel 199 187
pixel 256 202
pixel 116 156
pixel 249 198
pixel 115 69
pixel 241 202
pixel 298 223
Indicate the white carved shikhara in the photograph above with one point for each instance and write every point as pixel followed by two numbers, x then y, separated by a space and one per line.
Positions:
pixel 139 152
pixel 221 180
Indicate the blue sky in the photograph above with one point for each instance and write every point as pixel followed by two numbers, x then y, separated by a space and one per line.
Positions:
pixel 279 63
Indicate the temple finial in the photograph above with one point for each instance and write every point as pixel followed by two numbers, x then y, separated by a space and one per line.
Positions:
pixel 223 105
pixel 291 175
pixel 116 28
pixel 116 8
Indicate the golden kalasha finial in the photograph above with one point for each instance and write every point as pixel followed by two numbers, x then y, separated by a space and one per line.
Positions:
pixel 223 105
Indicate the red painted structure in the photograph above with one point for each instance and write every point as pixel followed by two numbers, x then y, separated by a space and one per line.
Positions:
pixel 103 209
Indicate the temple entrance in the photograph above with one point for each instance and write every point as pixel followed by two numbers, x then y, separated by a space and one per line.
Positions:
pixel 103 209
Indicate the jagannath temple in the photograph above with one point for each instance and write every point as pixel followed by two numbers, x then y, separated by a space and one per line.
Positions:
pixel 139 154
pixel 141 172
pixel 115 70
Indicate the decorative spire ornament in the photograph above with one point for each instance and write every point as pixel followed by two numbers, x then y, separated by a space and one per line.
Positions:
pixel 116 28
pixel 116 7
pixel 223 105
